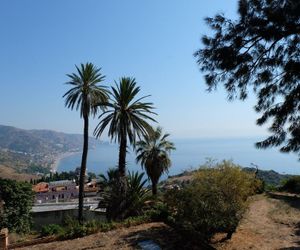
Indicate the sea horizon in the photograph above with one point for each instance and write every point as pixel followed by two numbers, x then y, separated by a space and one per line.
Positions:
pixel 190 154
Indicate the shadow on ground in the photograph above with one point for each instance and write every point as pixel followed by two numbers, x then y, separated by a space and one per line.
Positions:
pixel 290 248
pixel 291 200
pixel 166 238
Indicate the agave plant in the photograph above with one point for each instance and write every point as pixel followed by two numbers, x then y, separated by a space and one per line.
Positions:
pixel 137 194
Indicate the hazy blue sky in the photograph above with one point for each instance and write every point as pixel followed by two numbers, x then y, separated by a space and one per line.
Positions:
pixel 153 41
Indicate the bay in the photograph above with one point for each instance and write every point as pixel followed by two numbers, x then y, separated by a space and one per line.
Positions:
pixel 190 154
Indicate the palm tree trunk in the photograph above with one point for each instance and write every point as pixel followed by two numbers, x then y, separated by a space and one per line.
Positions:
pixel 122 181
pixel 83 167
pixel 122 156
pixel 154 188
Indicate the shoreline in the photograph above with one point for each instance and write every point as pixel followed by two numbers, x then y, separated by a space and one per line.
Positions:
pixel 59 157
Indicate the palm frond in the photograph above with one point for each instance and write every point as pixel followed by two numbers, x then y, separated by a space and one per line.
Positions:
pixel 153 154
pixel 87 94
pixel 126 113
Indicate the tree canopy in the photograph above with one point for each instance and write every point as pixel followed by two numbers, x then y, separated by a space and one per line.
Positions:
pixel 153 154
pixel 127 117
pixel 18 198
pixel 259 51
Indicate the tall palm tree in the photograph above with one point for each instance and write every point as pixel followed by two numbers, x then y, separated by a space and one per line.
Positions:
pixel 127 117
pixel 153 154
pixel 84 94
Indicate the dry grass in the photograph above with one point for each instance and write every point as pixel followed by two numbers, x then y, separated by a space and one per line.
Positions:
pixel 271 222
pixel 10 173
pixel 122 238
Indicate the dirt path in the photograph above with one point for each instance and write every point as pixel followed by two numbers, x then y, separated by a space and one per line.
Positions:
pixel 269 223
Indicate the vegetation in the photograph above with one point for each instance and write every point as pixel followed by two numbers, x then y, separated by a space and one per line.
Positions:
pixel 118 207
pixel 18 198
pixel 153 154
pixel 71 175
pixel 291 185
pixel 73 229
pixel 36 169
pixel 107 180
pixel 87 96
pixel 269 177
pixel 213 202
pixel 52 229
pixel 259 51
pixel 126 118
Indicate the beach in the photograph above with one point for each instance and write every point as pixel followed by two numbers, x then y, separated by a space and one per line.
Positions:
pixel 54 165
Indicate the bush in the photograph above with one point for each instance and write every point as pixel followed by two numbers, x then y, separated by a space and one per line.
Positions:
pixel 213 202
pixel 292 185
pixel 52 229
pixel 73 229
pixel 120 207
pixel 159 212
pixel 134 221
pixel 18 198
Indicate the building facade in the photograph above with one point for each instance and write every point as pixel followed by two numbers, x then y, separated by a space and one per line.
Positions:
pixel 55 191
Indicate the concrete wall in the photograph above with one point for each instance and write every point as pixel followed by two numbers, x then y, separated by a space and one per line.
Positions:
pixel 3 239
pixel 41 219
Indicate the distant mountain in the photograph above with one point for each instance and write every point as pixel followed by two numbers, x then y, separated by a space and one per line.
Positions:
pixel 270 177
pixel 20 148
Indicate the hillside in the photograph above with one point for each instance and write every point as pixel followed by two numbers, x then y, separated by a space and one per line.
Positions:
pixel 270 177
pixel 33 150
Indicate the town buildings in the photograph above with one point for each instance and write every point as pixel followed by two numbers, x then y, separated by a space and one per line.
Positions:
pixel 62 191
pixel 55 191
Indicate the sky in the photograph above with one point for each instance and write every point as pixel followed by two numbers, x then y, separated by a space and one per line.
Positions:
pixel 153 41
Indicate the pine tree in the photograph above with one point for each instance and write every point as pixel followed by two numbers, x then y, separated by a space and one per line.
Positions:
pixel 259 51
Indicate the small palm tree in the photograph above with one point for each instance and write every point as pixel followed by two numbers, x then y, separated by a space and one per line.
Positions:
pixel 126 118
pixel 106 180
pixel 153 154
pixel 83 96
pixel 136 195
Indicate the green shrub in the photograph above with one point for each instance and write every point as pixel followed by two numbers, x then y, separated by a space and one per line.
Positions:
pixel 134 221
pixel 292 185
pixel 120 207
pixel 74 229
pixel 271 188
pixel 52 229
pixel 213 202
pixel 158 212
pixel 107 226
pixel 18 198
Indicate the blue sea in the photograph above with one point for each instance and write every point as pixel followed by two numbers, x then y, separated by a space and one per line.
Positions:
pixel 192 153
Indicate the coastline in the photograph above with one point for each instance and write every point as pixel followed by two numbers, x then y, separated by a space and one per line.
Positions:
pixel 59 157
